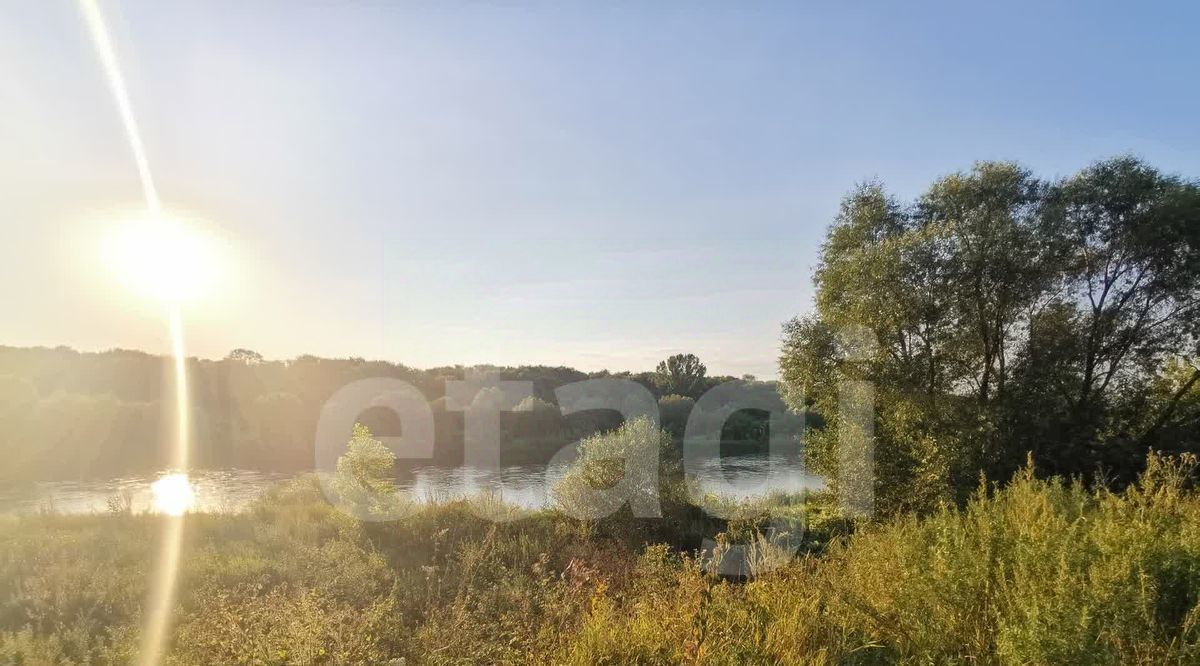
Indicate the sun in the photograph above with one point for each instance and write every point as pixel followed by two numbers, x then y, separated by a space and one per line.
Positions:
pixel 173 494
pixel 163 258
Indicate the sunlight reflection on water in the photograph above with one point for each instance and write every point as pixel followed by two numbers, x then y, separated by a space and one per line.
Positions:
pixel 173 495
pixel 234 490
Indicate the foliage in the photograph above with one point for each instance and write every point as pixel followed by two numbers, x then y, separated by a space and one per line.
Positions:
pixel 247 411
pixel 1000 314
pixel 365 476
pixel 1035 572
pixel 673 412
pixel 534 417
pixel 681 374
pixel 247 356
pixel 617 462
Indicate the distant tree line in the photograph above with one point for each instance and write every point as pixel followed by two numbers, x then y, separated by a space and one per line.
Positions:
pixel 65 414
pixel 1000 316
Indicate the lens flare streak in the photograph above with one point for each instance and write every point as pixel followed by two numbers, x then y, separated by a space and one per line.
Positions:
pixel 116 82
pixel 162 589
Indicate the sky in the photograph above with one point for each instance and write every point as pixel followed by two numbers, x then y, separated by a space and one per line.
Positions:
pixel 597 185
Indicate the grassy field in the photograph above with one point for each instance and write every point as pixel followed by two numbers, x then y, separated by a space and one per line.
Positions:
pixel 1037 572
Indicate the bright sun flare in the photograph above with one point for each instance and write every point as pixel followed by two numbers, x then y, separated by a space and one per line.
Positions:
pixel 163 259
pixel 173 494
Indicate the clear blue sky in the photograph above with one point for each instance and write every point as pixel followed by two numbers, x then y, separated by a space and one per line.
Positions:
pixel 591 185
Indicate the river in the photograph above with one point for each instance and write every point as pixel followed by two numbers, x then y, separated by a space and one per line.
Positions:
pixel 527 486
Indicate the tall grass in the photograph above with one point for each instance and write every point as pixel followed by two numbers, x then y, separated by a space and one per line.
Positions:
pixel 1037 572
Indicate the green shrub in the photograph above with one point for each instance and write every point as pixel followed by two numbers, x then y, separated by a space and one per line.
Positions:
pixel 364 480
pixel 655 485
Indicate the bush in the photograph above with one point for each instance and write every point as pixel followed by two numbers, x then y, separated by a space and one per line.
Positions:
pixel 641 504
pixel 364 480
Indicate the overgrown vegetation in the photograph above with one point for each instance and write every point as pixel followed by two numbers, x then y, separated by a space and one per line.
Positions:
pixel 1040 571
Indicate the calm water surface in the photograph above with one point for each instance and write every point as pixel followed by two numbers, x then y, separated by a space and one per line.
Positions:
pixel 233 490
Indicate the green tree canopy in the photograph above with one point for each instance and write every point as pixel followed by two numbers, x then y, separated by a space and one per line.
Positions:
pixel 681 374
pixel 999 314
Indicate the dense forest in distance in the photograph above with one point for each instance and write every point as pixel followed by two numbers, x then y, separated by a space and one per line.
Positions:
pixel 66 414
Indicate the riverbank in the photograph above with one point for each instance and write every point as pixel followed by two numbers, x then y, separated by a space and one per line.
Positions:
pixel 1039 572
pixel 526 486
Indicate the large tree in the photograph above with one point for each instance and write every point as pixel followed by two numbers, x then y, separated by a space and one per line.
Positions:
pixel 681 374
pixel 998 314
pixel 1131 237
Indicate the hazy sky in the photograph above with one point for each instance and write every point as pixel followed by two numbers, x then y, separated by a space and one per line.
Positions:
pixel 596 186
